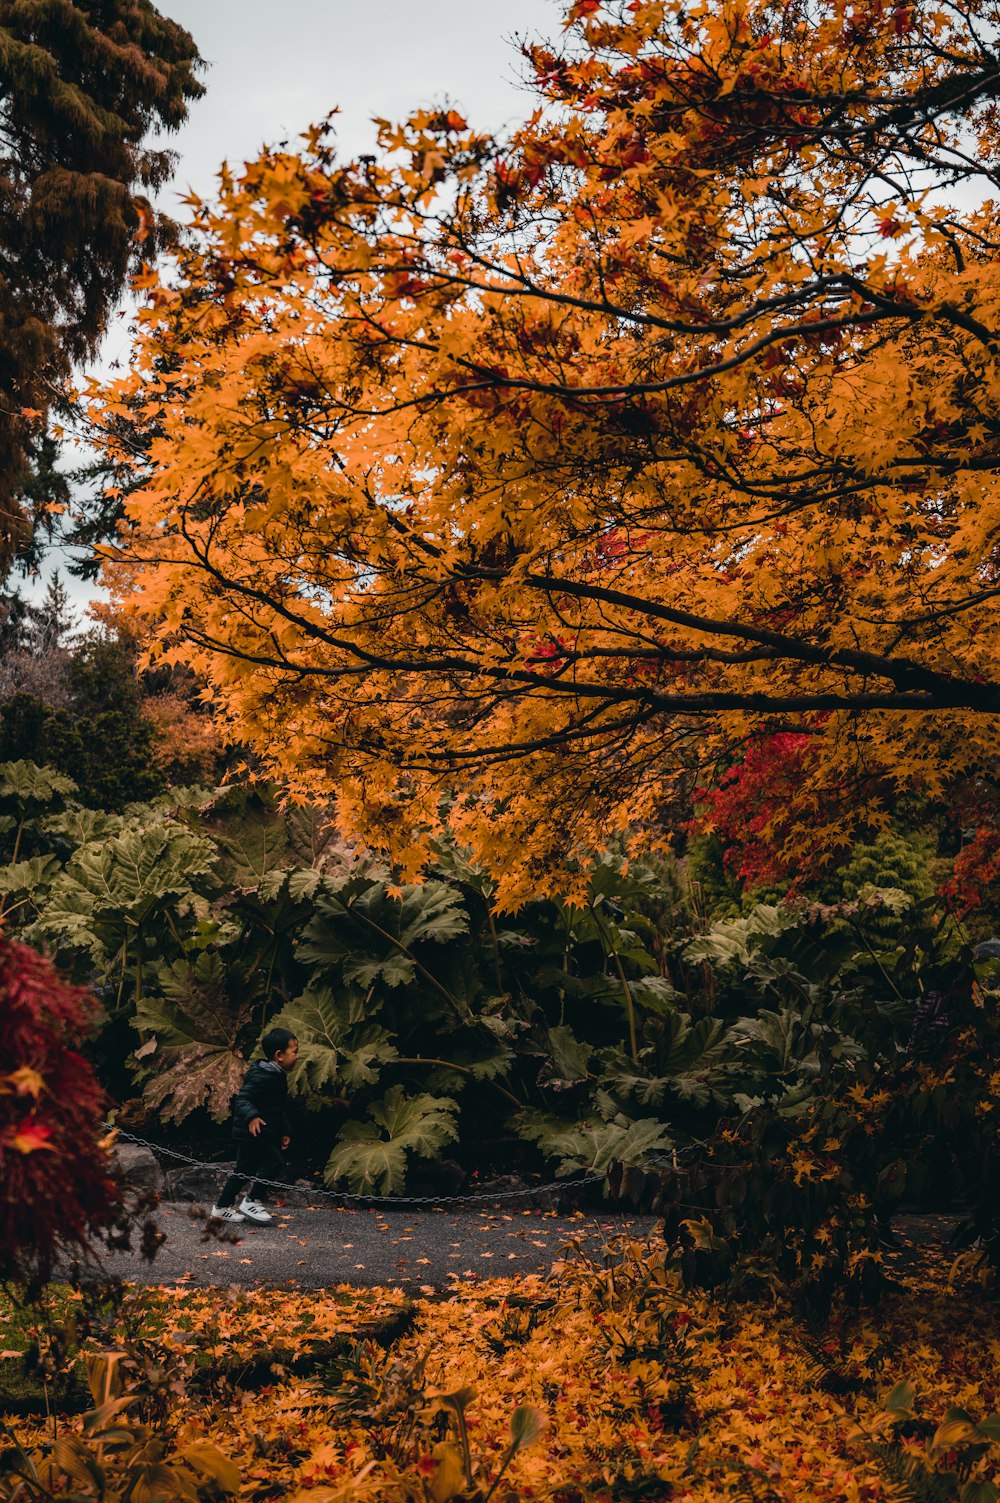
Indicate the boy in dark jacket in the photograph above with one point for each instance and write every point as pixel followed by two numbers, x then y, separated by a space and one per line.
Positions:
pixel 260 1128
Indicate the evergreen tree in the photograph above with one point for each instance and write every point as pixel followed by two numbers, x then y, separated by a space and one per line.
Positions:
pixel 53 620
pixel 91 727
pixel 82 84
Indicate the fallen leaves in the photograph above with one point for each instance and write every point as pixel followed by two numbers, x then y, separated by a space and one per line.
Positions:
pixel 627 1369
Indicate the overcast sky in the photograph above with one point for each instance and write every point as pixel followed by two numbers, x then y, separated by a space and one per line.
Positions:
pixel 277 66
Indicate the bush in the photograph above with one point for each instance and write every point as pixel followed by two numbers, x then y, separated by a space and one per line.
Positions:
pixel 56 1187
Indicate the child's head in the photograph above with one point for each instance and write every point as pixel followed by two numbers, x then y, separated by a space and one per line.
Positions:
pixel 281 1045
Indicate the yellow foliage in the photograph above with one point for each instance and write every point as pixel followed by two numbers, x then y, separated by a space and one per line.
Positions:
pixel 186 746
pixel 647 1391
pixel 549 470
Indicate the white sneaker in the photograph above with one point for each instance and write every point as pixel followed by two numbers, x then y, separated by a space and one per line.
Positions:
pixel 252 1210
pixel 225 1213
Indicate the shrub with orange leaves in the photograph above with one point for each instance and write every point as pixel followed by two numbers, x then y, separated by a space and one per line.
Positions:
pixel 56 1187
pixel 186 746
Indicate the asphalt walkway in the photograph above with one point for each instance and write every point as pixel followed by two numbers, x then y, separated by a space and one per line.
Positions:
pixel 413 1250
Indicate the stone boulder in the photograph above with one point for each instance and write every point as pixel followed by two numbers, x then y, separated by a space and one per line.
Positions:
pixel 516 1194
pixel 138 1167
pixel 298 1196
pixel 195 1185
pixel 442 1179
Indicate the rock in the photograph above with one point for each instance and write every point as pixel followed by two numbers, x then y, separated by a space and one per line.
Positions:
pixel 300 1195
pixel 139 1167
pixel 201 1186
pixel 515 1194
pixel 197 1185
pixel 440 1180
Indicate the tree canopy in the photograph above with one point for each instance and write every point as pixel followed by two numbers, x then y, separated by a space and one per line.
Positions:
pixel 551 471
pixel 82 85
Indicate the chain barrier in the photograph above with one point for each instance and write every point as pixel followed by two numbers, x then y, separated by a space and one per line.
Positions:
pixel 398 1201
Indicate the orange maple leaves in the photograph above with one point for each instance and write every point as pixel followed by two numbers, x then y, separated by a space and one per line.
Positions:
pixel 399 410
pixel 28 1135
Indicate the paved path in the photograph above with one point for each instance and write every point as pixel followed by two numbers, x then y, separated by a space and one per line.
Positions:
pixel 413 1250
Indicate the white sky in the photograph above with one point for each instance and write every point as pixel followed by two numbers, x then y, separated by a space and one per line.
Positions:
pixel 277 66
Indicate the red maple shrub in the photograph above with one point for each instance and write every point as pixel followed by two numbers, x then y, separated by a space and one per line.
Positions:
pixel 974 883
pixel 971 889
pixel 750 811
pixel 56 1184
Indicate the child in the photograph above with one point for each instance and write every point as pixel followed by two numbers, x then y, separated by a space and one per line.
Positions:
pixel 260 1124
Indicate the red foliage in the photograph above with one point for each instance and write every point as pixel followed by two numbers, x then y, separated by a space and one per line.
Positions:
pixel 975 875
pixel 750 810
pixel 56 1187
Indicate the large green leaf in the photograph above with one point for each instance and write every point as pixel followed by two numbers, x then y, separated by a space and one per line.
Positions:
pixel 629 1083
pixel 195 1004
pixel 789 1043
pixel 733 941
pixel 77 826
pixel 486 1058
pixel 28 793
pixel 593 1145
pixel 372 1156
pixel 120 884
pixel 191 1035
pixel 688 1061
pixel 456 863
pixel 29 877
pixel 360 930
pixel 297 883
pixel 687 1046
pixel 66 921
pixel 191 798
pixel 394 969
pixel 361 1064
pixel 338 1042
pixel 131 873
pixel 193 995
pixel 370 1165
pixel 421 1123
pixel 655 994
pixel 570 1057
pixel 26 784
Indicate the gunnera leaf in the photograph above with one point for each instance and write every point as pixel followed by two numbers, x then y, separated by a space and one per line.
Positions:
pixel 373 1156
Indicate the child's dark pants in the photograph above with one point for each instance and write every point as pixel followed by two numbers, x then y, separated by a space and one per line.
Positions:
pixel 259 1157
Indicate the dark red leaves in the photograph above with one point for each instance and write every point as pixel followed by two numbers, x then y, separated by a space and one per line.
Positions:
pixel 55 1183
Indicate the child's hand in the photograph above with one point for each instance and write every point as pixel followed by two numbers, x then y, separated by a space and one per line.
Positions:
pixel 256 1125
pixel 285 1142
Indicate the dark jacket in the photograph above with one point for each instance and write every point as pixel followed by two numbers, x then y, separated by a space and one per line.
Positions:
pixel 264 1093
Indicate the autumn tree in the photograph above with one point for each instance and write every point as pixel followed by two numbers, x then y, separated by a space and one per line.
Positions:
pixel 82 86
pixel 553 471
